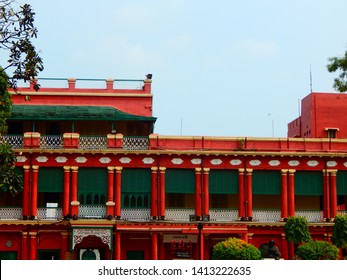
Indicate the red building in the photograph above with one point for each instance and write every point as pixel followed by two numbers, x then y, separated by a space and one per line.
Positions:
pixel 323 115
pixel 99 184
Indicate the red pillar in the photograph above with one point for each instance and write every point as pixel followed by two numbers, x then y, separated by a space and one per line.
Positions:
pixel 154 245
pixel 284 251
pixel 110 190
pixel 117 246
pixel 205 191
pixel 154 199
pixel 118 192
pixel 198 197
pixel 26 191
pixel 162 192
pixel 24 249
pixel 284 195
pixel 64 245
pixel 249 194
pixel 32 245
pixel 326 195
pixel 66 201
pixel 34 191
pixel 291 193
pixel 74 191
pixel 242 213
pixel 333 194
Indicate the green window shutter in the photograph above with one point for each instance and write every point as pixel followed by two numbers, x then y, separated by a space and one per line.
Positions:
pixel 51 179
pixel 180 181
pixel 136 187
pixel 92 185
pixel 136 180
pixel 223 182
pixel 308 183
pixel 266 182
pixel 341 183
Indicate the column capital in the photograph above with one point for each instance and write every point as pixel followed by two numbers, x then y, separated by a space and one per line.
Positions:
pixel 162 169
pixel 110 168
pixel 26 167
pixel 198 170
pixel 332 171
pixel 154 169
pixel 206 170
pixel 35 167
pixel 241 170
pixel 118 168
pixel 67 168
pixel 284 171
pixel 291 171
pixel 74 168
pixel 249 170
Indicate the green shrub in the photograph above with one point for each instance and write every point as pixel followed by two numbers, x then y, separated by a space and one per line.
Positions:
pixel 318 250
pixel 235 249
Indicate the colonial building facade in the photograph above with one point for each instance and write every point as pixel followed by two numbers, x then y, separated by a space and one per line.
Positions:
pixel 99 184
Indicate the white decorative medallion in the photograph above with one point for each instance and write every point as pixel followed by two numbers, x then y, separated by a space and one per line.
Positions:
pixel 147 160
pixel 177 161
pixel 216 161
pixel 81 159
pixel 61 159
pixel 235 162
pixel 312 163
pixel 104 160
pixel 293 162
pixel 274 162
pixel 42 159
pixel 345 164
pixel 331 163
pixel 196 161
pixel 255 162
pixel 21 159
pixel 125 160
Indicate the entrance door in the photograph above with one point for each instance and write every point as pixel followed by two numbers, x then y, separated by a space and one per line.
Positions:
pixel 135 255
pixel 89 254
pixel 8 255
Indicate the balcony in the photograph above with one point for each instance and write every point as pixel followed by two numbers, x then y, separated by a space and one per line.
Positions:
pixel 73 140
pixel 172 214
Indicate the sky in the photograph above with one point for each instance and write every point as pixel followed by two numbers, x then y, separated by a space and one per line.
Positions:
pixel 220 68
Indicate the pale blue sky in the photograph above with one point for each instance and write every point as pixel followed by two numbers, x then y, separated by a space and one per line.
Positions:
pixel 220 68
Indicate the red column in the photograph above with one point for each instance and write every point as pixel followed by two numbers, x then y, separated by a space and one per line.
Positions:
pixel 118 193
pixel 202 246
pixel 242 213
pixel 154 199
pixel 26 191
pixel 154 245
pixel 32 245
pixel 326 195
pixel 117 247
pixel 291 193
pixel 249 194
pixel 66 201
pixel 333 194
pixel 110 190
pixel 24 249
pixel 162 192
pixel 284 195
pixel 205 191
pixel 74 191
pixel 198 197
pixel 284 251
pixel 34 191
pixel 64 245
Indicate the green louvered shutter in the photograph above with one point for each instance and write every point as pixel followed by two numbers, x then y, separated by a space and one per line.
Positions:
pixel 136 187
pixel 92 185
pixel 223 182
pixel 341 182
pixel 180 181
pixel 308 182
pixel 51 179
pixel 266 182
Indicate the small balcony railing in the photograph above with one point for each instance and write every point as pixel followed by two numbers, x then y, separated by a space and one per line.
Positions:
pixel 266 215
pixel 15 141
pixel 135 214
pixel 177 214
pixel 51 142
pixel 93 142
pixel 312 216
pixel 135 143
pixel 92 211
pixel 49 213
pixel 10 213
pixel 223 215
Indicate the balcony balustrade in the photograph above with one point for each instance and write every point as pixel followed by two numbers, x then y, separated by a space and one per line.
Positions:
pixel 172 214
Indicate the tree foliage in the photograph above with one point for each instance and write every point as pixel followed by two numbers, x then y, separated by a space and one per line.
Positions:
pixel 297 231
pixel 235 249
pixel 17 31
pixel 318 250
pixel 339 64
pixel 339 235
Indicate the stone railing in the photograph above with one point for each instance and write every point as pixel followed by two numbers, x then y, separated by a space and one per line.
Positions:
pixel 92 211
pixel 266 215
pixel 135 214
pixel 49 213
pixel 176 214
pixel 10 213
pixel 312 216
pixel 223 215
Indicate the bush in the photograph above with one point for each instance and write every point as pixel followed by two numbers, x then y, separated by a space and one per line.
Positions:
pixel 318 250
pixel 235 249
